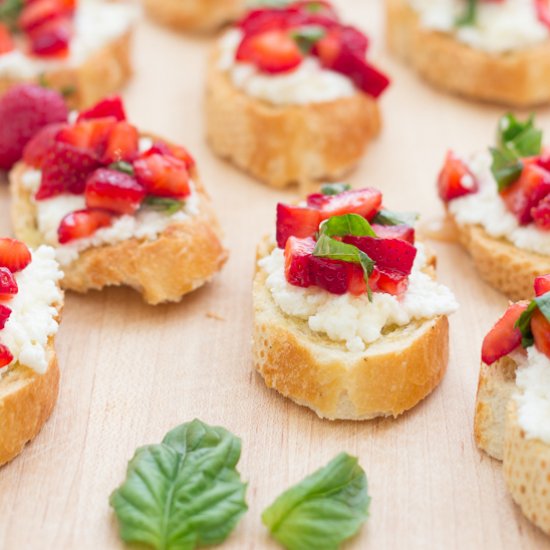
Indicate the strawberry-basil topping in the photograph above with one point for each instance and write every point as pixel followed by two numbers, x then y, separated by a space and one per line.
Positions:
pixel 330 243
pixel 99 157
pixel 278 39
pixel 469 13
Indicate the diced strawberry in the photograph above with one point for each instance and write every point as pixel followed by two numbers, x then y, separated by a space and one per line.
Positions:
pixel 82 223
pixel 365 202
pixel 8 284
pixel 525 194
pixel 391 282
pixel 5 313
pixel 543 11
pixel 52 38
pixel 14 254
pixel 334 275
pixel 38 12
pixel 91 135
pixel 41 144
pixel 455 179
pixel 6 356
pixel 503 337
pixel 65 169
pixel 262 20
pixel 272 51
pixel 113 190
pixel 163 175
pixel 296 221
pixel 540 327
pixel 162 148
pixel 541 214
pixel 403 232
pixel 297 256
pixel 111 106
pixel 542 285
pixel 122 144
pixel 6 39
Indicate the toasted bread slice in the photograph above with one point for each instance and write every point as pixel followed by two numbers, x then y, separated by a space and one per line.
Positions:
pixel 185 256
pixel 390 377
pixel 518 79
pixel 282 145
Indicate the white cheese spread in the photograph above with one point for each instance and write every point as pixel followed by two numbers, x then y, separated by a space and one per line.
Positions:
pixel 486 208
pixel 500 26
pixel 308 83
pixel 33 313
pixel 353 319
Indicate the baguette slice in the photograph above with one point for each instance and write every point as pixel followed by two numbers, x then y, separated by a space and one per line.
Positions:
pixel 390 377
pixel 518 79
pixel 282 145
pixel 185 256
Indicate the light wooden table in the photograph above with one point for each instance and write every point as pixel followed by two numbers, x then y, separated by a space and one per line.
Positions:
pixel 132 372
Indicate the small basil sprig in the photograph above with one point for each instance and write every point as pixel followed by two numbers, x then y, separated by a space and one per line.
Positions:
pixel 524 322
pixel 347 224
pixel 122 166
pixel 10 10
pixel 323 510
pixel 387 217
pixel 469 16
pixel 169 206
pixel 184 492
pixel 307 36
pixel 335 188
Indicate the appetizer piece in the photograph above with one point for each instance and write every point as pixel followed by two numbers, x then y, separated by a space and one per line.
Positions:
pixel 290 95
pixel 80 49
pixel 348 319
pixel 30 307
pixel 119 207
pixel 491 50
pixel 194 15
pixel 500 202
pixel 512 420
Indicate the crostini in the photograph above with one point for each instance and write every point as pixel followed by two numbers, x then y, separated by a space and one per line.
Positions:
pixel 80 49
pixel 290 96
pixel 496 51
pixel 348 319
pixel 512 420
pixel 195 15
pixel 500 203
pixel 30 308
pixel 119 207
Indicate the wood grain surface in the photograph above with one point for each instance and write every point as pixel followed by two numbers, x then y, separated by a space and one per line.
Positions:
pixel 132 372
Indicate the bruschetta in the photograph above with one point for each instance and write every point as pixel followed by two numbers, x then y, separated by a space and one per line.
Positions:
pixel 120 207
pixel 290 95
pixel 348 318
pixel 30 308
pixel 512 419
pixel 496 51
pixel 500 202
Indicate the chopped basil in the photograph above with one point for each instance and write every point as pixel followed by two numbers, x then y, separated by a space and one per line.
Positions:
pixel 469 16
pixel 68 91
pixel 307 36
pixel 335 188
pixel 122 166
pixel 348 224
pixel 506 167
pixel 387 217
pixel 10 11
pixel 524 322
pixel 169 206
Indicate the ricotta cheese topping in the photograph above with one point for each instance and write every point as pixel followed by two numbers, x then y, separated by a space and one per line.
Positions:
pixel 96 24
pixel 308 83
pixel 533 398
pixel 500 26
pixel 486 208
pixel 32 321
pixel 353 319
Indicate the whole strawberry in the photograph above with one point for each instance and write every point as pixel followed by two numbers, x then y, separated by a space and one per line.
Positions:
pixel 24 110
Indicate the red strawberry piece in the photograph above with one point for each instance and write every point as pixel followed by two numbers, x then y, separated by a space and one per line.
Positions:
pixel 113 190
pixel 6 39
pixel 162 148
pixel 543 11
pixel 403 232
pixel 455 179
pixel 365 202
pixel 391 282
pixel 297 257
pixel 82 223
pixel 14 255
pixel 122 144
pixel 41 144
pixel 52 38
pixel 5 313
pixel 503 337
pixel 541 214
pixel 25 110
pixel 38 12
pixel 91 135
pixel 65 169
pixel 540 327
pixel 8 284
pixel 163 176
pixel 262 20
pixel 111 106
pixel 542 285
pixel 296 221
pixel 334 276
pixel 6 356
pixel 527 192
pixel 272 51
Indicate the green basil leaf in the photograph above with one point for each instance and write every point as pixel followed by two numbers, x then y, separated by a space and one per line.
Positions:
pixel 323 510
pixel 387 217
pixel 524 325
pixel 335 188
pixel 469 16
pixel 10 10
pixel 506 168
pixel 348 224
pixel 307 36
pixel 184 492
pixel 520 138
pixel 169 206
pixel 122 166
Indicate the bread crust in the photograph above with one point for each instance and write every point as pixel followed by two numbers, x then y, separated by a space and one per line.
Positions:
pixel 194 15
pixel 185 256
pixel 106 71
pixel 390 377
pixel 282 145
pixel 518 79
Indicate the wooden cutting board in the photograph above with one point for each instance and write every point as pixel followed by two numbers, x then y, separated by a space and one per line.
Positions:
pixel 132 372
